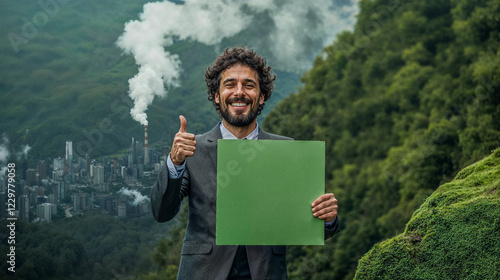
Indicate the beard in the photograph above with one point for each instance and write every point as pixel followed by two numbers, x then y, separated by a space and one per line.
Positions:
pixel 240 119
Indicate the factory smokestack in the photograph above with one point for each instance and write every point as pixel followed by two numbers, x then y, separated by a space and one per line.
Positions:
pixel 146 151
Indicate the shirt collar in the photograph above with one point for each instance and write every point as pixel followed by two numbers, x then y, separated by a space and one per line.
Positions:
pixel 226 134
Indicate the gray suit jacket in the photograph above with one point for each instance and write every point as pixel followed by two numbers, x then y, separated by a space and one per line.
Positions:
pixel 201 258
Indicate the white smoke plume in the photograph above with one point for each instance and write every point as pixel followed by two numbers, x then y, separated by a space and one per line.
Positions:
pixel 135 195
pixel 5 154
pixel 24 152
pixel 291 33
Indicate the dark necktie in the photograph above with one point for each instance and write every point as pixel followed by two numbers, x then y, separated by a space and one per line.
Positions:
pixel 240 269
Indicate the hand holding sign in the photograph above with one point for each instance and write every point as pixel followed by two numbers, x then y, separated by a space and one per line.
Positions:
pixel 325 207
pixel 184 144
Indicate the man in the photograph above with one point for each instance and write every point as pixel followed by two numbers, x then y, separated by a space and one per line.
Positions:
pixel 239 83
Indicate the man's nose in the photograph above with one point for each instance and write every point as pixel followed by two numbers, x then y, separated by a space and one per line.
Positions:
pixel 239 89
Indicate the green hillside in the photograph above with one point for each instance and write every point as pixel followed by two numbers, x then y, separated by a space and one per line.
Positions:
pixel 60 76
pixel 64 78
pixel 404 102
pixel 453 235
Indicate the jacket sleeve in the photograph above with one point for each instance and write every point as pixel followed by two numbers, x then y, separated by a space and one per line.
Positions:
pixel 167 195
pixel 330 231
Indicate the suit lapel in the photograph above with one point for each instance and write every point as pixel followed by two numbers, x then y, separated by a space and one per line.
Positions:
pixel 212 138
pixel 263 135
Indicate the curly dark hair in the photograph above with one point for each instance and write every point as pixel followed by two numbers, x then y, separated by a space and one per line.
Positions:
pixel 239 55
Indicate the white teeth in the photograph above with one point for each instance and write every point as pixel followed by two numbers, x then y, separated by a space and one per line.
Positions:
pixel 239 104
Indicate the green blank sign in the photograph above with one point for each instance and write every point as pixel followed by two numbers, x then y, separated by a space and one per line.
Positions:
pixel 265 189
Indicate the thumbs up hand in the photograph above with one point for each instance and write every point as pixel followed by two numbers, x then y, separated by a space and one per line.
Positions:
pixel 184 144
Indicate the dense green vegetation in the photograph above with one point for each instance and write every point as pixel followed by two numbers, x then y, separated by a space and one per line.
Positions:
pixel 87 246
pixel 404 102
pixel 453 235
pixel 44 253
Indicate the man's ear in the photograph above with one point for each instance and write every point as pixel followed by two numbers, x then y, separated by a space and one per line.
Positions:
pixel 217 98
pixel 261 99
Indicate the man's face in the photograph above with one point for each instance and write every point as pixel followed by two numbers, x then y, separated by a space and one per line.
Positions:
pixel 239 95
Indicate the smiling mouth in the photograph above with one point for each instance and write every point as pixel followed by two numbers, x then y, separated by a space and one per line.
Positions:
pixel 239 104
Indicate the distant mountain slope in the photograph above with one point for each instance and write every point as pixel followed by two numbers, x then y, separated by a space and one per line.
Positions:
pixel 61 72
pixel 453 235
pixel 64 78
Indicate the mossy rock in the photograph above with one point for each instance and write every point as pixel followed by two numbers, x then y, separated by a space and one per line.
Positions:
pixel 455 234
